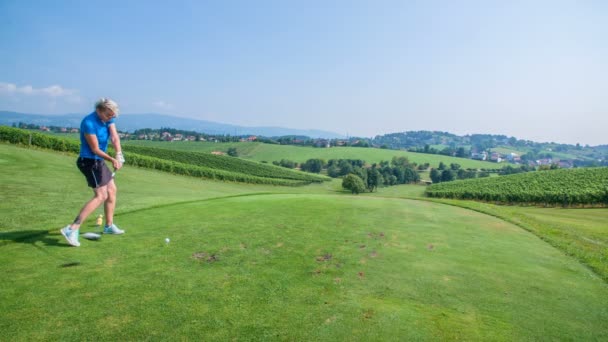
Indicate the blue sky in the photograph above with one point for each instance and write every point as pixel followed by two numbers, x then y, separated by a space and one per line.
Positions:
pixel 531 69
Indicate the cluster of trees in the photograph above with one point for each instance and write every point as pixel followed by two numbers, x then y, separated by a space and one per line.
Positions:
pixel 156 134
pixel 509 170
pixel 56 129
pixel 370 179
pixel 445 173
pixel 360 176
pixel 290 164
pixel 301 140
pixel 414 139
pixel 454 171
pixel 398 171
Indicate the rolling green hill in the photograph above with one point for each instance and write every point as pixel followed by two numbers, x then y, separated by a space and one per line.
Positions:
pixel 271 152
pixel 259 262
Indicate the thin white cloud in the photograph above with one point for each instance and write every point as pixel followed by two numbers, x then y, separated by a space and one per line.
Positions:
pixel 53 91
pixel 163 105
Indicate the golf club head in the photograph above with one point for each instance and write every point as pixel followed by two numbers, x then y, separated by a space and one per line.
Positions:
pixel 91 236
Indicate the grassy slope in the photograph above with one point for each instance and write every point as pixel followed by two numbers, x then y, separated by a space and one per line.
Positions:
pixel 581 233
pixel 481 279
pixel 270 153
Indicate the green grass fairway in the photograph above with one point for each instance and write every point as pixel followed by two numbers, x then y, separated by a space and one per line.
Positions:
pixel 581 233
pixel 270 153
pixel 252 262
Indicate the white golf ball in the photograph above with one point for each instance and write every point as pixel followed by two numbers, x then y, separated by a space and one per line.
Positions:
pixel 167 240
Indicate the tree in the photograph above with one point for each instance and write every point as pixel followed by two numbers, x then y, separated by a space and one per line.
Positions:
pixel 447 175
pixel 461 152
pixel 361 172
pixel 313 165
pixel 353 183
pixel 333 171
pixel 435 176
pixel 454 166
pixel 374 179
pixel 400 161
pixel 410 176
pixel 441 166
pixel 345 167
pixel 233 152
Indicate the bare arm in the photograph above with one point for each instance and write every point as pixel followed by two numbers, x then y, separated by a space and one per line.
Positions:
pixel 94 145
pixel 114 138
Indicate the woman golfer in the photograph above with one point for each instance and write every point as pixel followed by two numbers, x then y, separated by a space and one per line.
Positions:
pixel 95 131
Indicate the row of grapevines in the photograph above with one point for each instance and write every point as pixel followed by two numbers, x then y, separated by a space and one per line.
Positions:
pixel 565 187
pixel 225 163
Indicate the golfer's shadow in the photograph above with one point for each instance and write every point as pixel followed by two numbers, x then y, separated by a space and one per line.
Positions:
pixel 31 237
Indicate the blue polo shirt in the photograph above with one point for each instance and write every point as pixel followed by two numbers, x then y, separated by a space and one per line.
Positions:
pixel 92 124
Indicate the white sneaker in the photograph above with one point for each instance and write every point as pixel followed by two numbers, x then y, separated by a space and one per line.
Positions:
pixel 113 230
pixel 70 235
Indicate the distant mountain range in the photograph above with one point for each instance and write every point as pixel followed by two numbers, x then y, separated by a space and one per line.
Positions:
pixel 131 122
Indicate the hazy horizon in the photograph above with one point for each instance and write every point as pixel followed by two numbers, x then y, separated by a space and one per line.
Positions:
pixel 535 70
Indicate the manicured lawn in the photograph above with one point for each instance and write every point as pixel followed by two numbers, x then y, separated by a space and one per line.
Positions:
pixel 274 263
pixel 580 233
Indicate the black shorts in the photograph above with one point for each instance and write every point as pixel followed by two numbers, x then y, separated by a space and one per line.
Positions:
pixel 95 171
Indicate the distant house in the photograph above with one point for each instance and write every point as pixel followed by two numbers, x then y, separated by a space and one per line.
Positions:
pixel 495 157
pixel 218 153
pixel 322 143
pixel 545 161
pixel 479 156
pixel 166 136
pixel 252 138
pixel 74 130
pixel 178 137
pixel 63 130
pixel 513 157
pixel 45 129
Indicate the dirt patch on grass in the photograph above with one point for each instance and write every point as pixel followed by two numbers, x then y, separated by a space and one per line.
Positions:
pixel 372 235
pixel 325 257
pixel 204 256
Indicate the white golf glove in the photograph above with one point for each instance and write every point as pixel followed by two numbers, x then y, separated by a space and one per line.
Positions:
pixel 120 157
